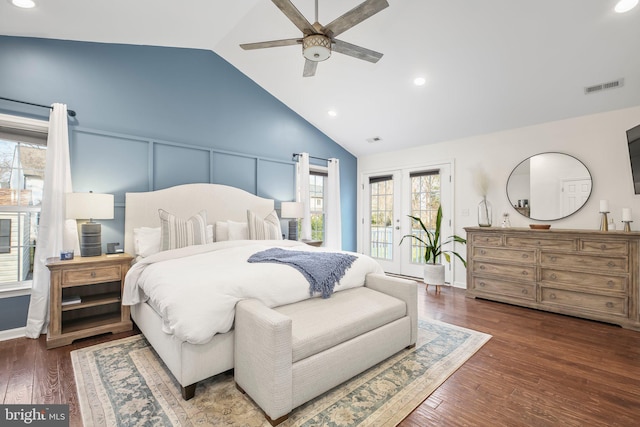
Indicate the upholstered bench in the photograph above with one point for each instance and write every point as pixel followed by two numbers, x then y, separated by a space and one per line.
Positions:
pixel 288 355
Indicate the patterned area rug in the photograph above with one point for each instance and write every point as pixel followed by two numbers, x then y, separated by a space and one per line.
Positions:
pixel 124 383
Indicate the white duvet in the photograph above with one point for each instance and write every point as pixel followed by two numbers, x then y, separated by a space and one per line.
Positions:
pixel 195 289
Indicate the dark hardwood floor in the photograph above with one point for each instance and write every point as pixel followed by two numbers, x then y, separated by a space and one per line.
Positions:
pixel 539 369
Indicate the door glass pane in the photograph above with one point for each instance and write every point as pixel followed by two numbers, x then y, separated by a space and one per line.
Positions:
pixel 425 199
pixel 381 202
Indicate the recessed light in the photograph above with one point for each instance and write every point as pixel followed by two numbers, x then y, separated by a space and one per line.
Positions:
pixel 332 113
pixel 25 4
pixel 419 81
pixel 625 5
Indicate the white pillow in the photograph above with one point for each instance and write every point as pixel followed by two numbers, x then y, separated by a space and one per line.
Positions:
pixel 238 230
pixel 178 233
pixel 146 241
pixel 264 229
pixel 222 231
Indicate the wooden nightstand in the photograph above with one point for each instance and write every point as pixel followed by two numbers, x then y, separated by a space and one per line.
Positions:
pixel 86 298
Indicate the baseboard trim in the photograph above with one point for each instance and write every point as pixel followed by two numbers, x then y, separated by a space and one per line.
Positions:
pixel 11 334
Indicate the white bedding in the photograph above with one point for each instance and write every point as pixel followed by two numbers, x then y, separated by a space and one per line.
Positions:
pixel 196 288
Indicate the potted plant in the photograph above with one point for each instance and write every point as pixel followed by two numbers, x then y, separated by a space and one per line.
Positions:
pixel 433 250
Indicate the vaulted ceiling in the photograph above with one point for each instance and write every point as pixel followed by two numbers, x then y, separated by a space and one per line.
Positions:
pixel 489 65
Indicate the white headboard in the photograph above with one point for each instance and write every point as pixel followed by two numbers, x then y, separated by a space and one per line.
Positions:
pixel 220 201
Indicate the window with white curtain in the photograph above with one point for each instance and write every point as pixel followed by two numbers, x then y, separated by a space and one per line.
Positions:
pixel 23 144
pixel 317 195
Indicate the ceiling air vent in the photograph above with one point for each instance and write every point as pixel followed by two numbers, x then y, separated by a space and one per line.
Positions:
pixel 374 139
pixel 603 86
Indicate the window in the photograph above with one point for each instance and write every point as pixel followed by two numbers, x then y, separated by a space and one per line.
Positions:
pixel 317 186
pixel 425 199
pixel 5 236
pixel 22 162
pixel 381 191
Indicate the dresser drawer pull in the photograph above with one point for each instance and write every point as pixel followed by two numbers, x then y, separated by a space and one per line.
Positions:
pixel 610 283
pixel 93 274
pixel 609 304
pixel 483 252
pixel 552 296
pixel 525 256
pixel 554 276
pixel 481 284
pixel 603 247
pixel 482 267
pixel 553 259
pixel 525 273
pixel 525 292
pixel 611 264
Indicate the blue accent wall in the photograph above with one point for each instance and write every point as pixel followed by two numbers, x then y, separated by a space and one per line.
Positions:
pixel 152 117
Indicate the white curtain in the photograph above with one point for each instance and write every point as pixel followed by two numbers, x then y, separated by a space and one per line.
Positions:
pixel 302 182
pixel 333 228
pixel 55 232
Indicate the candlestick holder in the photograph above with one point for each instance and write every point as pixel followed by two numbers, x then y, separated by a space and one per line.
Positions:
pixel 627 225
pixel 604 222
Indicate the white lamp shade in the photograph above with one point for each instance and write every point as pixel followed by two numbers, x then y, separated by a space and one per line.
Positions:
pixel 89 206
pixel 293 210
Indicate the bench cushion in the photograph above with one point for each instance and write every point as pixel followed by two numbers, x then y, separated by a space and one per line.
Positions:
pixel 319 324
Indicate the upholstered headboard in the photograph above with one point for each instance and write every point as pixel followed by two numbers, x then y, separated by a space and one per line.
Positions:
pixel 220 201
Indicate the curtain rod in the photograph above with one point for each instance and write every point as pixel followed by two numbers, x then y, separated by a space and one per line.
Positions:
pixel 71 113
pixel 311 157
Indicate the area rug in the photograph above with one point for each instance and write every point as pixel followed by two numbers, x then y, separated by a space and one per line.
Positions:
pixel 124 383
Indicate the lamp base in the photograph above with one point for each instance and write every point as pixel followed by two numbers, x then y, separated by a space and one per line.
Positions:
pixel 91 239
pixel 293 229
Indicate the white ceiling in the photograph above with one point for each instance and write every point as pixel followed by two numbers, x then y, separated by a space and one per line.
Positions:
pixel 490 65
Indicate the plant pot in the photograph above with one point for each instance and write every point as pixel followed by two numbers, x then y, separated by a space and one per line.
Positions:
pixel 434 275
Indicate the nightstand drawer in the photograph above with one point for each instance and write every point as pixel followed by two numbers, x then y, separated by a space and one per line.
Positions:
pixel 82 276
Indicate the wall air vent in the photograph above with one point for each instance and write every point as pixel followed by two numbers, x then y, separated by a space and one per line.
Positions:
pixel 604 86
pixel 374 139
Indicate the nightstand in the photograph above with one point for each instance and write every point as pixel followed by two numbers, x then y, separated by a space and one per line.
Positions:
pixel 86 298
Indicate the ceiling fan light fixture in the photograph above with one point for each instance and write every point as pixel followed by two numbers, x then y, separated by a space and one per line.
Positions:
pixel 625 5
pixel 316 47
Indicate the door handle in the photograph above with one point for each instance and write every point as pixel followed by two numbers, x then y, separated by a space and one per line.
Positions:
pixel 397 227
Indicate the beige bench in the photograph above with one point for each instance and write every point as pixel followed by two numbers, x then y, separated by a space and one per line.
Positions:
pixel 288 355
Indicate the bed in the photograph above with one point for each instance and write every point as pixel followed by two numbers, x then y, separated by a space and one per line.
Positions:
pixel 191 359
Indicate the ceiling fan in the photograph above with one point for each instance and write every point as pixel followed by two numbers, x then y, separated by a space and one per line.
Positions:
pixel 318 41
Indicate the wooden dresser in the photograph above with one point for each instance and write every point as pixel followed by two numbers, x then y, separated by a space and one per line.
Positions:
pixel 583 273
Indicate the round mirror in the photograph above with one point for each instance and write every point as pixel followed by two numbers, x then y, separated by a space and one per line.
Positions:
pixel 549 186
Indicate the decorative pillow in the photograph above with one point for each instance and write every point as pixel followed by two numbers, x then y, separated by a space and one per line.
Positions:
pixel 146 241
pixel 238 230
pixel 264 229
pixel 222 231
pixel 177 233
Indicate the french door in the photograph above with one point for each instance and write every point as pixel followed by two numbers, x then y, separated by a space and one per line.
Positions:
pixel 389 198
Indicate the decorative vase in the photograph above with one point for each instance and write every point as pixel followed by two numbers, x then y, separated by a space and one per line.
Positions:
pixel 434 275
pixel 484 213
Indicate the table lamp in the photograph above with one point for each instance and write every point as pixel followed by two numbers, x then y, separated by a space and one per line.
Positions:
pixel 90 206
pixel 292 211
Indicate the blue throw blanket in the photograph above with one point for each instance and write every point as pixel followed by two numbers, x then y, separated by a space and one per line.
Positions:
pixel 321 269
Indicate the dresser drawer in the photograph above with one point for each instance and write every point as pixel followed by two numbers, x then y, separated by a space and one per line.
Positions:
pixel 503 287
pixel 604 246
pixel 79 276
pixel 595 282
pixel 541 242
pixel 512 271
pixel 515 255
pixel 589 262
pixel 583 301
pixel 483 239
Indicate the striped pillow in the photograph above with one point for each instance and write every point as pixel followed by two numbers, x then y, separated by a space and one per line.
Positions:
pixel 264 229
pixel 178 233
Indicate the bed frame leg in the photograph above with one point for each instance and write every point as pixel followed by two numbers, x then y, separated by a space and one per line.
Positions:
pixel 189 391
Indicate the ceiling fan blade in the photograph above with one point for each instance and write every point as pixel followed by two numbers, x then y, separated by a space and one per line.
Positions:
pixel 356 51
pixel 354 17
pixel 295 16
pixel 271 43
pixel 309 68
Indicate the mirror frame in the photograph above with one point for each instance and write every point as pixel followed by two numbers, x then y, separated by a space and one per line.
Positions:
pixel 511 203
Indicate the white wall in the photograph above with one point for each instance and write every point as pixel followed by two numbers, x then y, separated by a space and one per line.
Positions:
pixel 598 140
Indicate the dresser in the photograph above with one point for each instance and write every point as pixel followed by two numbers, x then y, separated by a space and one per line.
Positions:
pixel 584 273
pixel 86 298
